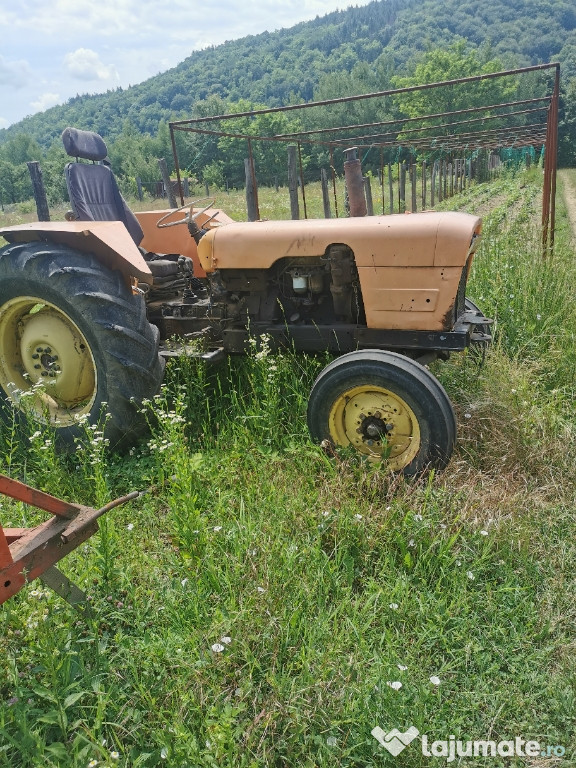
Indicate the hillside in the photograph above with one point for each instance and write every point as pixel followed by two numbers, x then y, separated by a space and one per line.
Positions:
pixel 292 65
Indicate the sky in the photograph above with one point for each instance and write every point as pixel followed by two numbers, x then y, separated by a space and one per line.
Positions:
pixel 52 50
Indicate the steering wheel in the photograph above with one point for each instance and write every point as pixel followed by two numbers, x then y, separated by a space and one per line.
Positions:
pixel 190 216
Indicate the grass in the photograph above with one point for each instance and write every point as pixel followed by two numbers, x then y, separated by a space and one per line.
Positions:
pixel 254 605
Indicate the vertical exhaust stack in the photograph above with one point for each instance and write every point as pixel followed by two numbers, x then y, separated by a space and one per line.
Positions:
pixel 354 183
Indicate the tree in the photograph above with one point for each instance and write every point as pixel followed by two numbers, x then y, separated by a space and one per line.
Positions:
pixel 567 127
pixel 134 155
pixel 21 149
pixel 15 185
pixel 53 164
pixel 443 65
pixel 269 156
pixel 451 63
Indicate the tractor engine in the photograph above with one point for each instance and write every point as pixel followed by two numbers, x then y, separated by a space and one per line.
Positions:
pixel 301 291
pixel 297 290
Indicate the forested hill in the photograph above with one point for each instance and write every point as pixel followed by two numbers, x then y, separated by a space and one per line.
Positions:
pixel 359 48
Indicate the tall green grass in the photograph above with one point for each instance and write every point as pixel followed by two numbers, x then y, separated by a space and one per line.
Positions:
pixel 255 605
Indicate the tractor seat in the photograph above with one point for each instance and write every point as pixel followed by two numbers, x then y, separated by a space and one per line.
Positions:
pixel 94 195
pixel 92 187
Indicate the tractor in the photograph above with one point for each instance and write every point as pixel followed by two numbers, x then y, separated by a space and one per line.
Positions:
pixel 90 306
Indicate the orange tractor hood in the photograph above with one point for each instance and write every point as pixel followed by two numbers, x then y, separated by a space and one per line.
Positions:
pixel 417 240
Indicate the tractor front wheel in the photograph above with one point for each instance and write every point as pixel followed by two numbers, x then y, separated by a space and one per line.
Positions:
pixel 75 343
pixel 386 406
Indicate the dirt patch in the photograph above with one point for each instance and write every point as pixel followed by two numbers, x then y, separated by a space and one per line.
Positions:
pixel 485 207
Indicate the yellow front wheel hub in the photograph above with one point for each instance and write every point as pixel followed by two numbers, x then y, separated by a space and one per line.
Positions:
pixel 378 423
pixel 45 361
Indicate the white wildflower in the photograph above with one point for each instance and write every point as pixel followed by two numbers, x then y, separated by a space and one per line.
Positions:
pixel 394 684
pixel 217 647
pixel 435 680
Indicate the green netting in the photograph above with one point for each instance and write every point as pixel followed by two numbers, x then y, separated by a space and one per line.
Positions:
pixel 517 156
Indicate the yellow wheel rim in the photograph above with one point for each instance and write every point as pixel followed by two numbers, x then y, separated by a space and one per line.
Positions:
pixel 378 423
pixel 46 366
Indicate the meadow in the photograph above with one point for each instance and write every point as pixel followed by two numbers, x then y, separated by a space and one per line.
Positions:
pixel 264 604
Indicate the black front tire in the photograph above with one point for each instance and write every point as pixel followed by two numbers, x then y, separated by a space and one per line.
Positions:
pixel 75 343
pixel 386 406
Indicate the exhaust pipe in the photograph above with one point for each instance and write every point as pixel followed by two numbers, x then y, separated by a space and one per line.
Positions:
pixel 354 183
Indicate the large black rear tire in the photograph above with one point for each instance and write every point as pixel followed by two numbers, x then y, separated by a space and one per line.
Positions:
pixel 385 406
pixel 75 343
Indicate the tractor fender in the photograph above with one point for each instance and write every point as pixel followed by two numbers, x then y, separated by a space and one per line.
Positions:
pixel 109 241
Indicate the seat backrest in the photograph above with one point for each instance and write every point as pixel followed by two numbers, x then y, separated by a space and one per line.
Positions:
pixel 92 188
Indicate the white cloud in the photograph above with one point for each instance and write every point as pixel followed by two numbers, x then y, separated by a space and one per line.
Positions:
pixel 85 64
pixel 4 123
pixel 14 73
pixel 45 101
pixel 120 42
pixel 64 18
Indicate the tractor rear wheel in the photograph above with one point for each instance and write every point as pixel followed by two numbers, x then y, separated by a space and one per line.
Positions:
pixel 75 343
pixel 386 406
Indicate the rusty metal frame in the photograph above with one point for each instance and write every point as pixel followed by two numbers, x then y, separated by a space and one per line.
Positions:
pixel 543 133
pixel 550 168
pixel 30 553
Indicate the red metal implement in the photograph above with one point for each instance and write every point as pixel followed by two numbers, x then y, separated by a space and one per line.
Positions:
pixel 29 553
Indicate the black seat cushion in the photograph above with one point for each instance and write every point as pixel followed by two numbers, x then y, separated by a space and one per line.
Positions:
pixel 94 196
pixel 93 190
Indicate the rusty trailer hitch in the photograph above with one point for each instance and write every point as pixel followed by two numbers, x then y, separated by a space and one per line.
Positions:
pixel 30 553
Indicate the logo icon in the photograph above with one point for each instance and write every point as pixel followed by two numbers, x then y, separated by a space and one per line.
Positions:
pixel 395 741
